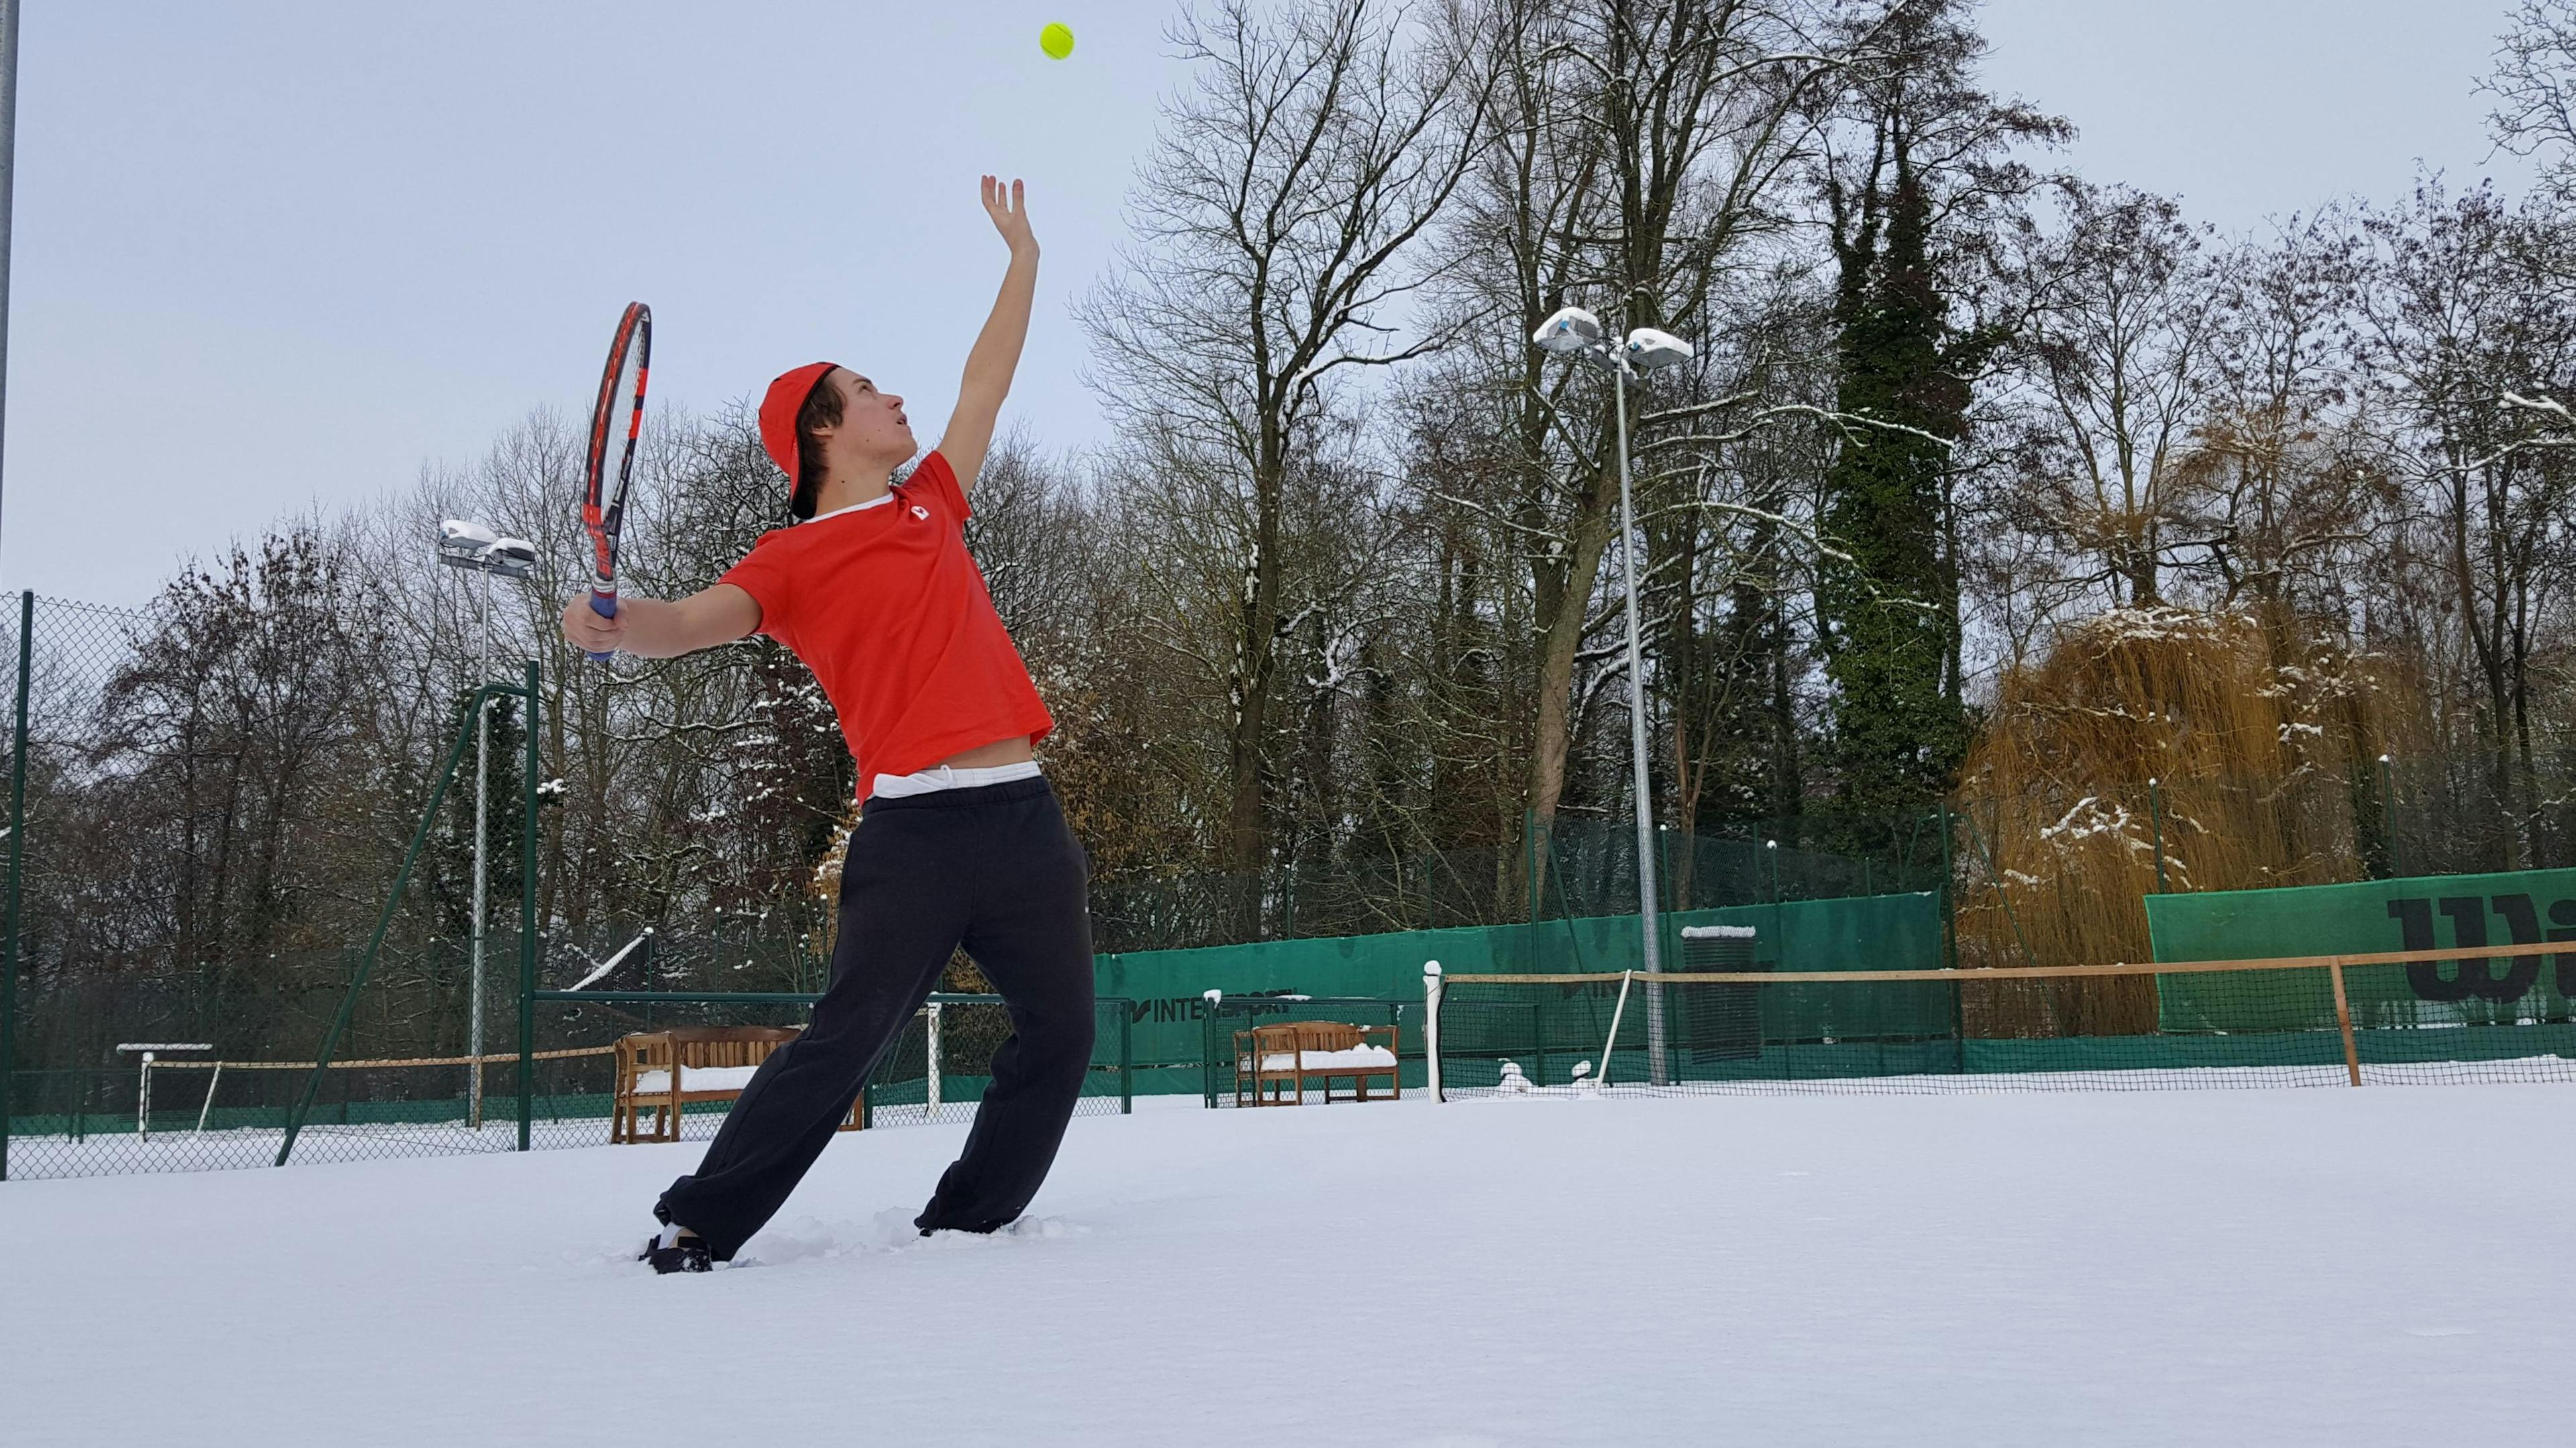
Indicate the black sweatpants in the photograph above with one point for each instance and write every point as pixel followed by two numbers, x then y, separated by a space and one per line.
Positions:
pixel 992 867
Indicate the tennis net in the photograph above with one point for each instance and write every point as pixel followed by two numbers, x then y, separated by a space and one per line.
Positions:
pixel 2385 1018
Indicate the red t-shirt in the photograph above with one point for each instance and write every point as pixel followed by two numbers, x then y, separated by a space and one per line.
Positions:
pixel 888 609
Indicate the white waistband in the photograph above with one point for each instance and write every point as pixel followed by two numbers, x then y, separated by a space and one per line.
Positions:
pixel 938 777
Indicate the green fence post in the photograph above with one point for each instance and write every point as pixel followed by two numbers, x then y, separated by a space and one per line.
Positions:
pixel 1529 865
pixel 2388 803
pixel 1949 896
pixel 528 916
pixel 2156 814
pixel 17 848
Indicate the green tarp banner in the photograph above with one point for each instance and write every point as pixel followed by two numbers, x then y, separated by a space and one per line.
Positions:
pixel 1876 932
pixel 2425 913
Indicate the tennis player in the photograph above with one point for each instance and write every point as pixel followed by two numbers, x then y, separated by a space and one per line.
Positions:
pixel 960 840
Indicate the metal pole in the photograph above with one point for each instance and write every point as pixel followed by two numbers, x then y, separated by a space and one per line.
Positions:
pixel 17 816
pixel 214 1079
pixel 528 912
pixel 1648 923
pixel 1126 1058
pixel 1529 866
pixel 474 990
pixel 8 191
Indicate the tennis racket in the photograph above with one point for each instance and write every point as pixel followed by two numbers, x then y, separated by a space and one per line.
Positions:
pixel 616 420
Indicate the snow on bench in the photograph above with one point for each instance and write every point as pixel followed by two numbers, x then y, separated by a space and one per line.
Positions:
pixel 1358 1056
pixel 705 1078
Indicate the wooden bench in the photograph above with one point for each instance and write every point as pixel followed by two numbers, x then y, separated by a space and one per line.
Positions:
pixel 663 1071
pixel 1270 1059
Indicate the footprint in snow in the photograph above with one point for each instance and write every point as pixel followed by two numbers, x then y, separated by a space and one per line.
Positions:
pixel 802 1238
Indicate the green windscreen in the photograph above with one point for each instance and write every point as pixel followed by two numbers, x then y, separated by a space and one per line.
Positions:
pixel 1167 987
pixel 2429 913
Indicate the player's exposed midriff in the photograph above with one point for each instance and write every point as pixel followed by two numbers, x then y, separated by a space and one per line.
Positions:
pixel 1014 750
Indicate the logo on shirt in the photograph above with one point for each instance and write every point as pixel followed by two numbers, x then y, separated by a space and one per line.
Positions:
pixel 919 511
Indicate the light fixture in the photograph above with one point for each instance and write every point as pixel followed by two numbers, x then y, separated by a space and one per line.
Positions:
pixel 1649 349
pixel 1572 329
pixel 463 544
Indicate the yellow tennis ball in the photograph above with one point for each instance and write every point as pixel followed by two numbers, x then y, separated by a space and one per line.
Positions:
pixel 1056 40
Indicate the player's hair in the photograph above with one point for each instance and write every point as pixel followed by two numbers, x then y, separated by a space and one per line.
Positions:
pixel 822 409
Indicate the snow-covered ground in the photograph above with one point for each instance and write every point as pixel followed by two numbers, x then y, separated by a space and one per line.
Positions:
pixel 2333 1267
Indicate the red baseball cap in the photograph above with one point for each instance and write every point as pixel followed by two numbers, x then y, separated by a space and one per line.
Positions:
pixel 778 414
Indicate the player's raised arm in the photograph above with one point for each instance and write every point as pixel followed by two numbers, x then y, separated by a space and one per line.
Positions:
pixel 656 628
pixel 997 349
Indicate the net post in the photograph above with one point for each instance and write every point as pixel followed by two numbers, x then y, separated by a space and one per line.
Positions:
pixel 1126 1059
pixel 1431 1027
pixel 930 1062
pixel 1213 998
pixel 2343 1020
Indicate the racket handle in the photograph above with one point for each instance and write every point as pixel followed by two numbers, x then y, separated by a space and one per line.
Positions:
pixel 605 605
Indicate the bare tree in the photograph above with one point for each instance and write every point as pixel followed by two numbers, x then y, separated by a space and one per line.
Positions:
pixel 1640 153
pixel 2534 85
pixel 1271 231
pixel 2118 342
pixel 2461 327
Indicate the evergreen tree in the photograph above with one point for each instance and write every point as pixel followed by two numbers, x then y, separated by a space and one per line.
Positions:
pixel 1908 209
pixel 1889 609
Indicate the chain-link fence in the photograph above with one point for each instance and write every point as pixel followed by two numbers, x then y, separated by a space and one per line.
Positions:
pixel 244 890
pixel 225 814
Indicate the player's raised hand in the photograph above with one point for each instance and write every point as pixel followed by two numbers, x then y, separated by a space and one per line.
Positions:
pixel 1010 213
pixel 584 629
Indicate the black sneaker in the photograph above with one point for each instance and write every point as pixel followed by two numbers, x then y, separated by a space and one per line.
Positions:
pixel 689 1254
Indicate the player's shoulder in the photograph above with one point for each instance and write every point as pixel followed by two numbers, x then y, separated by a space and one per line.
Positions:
pixel 774 546
pixel 933 467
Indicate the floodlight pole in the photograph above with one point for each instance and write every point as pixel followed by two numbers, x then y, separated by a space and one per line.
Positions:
pixel 485 561
pixel 483 701
pixel 1576 332
pixel 1649 919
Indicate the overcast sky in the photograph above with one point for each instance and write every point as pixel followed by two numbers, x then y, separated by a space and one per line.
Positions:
pixel 269 253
